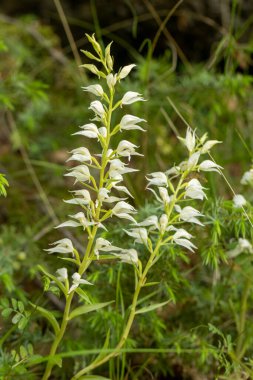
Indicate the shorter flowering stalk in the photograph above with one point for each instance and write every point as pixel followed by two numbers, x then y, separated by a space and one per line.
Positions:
pixel 166 234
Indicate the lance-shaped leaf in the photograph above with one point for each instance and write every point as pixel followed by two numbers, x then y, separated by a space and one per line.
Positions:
pixel 94 377
pixel 87 309
pixel 151 307
pixel 49 316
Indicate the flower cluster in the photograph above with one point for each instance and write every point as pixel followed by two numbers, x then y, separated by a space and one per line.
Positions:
pixel 171 189
pixel 242 246
pixel 247 178
pixel 99 176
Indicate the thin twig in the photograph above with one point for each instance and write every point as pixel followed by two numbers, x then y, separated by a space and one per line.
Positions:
pixel 69 35
pixel 167 34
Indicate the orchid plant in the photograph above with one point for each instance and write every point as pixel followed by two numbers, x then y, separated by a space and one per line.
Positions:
pixel 100 195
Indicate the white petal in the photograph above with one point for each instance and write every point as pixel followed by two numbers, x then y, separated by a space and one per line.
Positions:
pixel 125 71
pixel 131 97
pixel 209 166
pixel 69 223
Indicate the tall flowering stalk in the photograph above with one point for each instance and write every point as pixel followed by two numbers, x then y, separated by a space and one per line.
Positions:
pixel 98 177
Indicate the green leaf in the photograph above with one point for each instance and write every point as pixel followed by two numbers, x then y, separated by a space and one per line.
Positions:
pixel 15 355
pixel 94 377
pixel 87 309
pixel 16 318
pixel 68 259
pixel 22 323
pixel 151 307
pixel 5 302
pixel 152 283
pixel 7 312
pixel 49 316
pixel 21 307
pixel 105 346
pixel 53 278
pixel 90 55
pixel 14 303
pixel 30 348
pixel 83 295
pixel 23 352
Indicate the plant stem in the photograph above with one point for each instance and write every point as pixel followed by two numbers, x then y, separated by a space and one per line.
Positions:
pixel 86 259
pixel 96 363
pixel 130 320
pixel 58 338
pixel 240 347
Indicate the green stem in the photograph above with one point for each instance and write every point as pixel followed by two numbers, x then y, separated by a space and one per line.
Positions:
pixel 58 338
pixel 130 320
pixel 240 347
pixel 142 280
pixel 86 260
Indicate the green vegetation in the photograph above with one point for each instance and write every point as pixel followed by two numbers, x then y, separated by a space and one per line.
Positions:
pixel 173 311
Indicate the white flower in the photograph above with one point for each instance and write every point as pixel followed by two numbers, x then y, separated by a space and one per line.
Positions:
pixel 85 200
pixel 88 130
pixel 151 221
pixel 129 256
pixel 103 196
pixel 76 201
pixel 208 145
pixel 181 238
pixel 122 188
pixel 105 246
pixel 140 235
pixel 131 97
pixel 77 280
pixel 68 223
pixel 62 274
pixel 209 166
pixel 181 233
pixel 157 179
pixel 95 89
pixel 117 168
pixel 127 149
pixel 80 154
pixel 243 246
pixel 239 201
pixel 81 221
pixel 61 246
pixel 247 178
pixel 128 122
pixel 189 214
pixel 98 108
pixel 192 161
pixel 81 173
pixel 111 80
pixel 175 170
pixel 164 196
pixel 163 223
pixel 102 131
pixel 122 210
pixel 84 193
pixel 190 140
pixel 194 190
pixel 125 71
